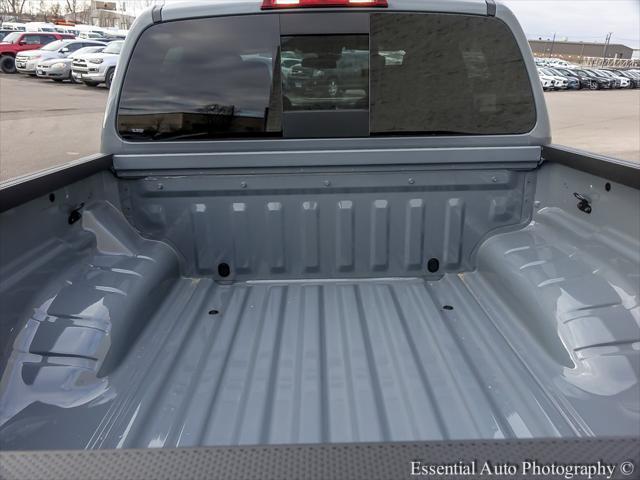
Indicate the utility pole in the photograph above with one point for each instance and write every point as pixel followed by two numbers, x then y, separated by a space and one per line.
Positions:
pixel 606 45
pixel 553 41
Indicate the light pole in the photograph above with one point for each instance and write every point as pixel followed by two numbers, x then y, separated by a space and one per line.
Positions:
pixel 606 45
pixel 553 41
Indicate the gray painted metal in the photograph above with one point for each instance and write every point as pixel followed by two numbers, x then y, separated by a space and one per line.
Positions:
pixel 17 191
pixel 401 153
pixel 195 9
pixel 322 461
pixel 328 225
pixel 491 8
pixel 621 171
pixel 112 344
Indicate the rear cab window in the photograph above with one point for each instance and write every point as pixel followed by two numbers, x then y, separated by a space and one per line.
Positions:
pixel 395 74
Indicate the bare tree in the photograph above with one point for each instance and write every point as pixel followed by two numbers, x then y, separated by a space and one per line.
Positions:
pixel 13 7
pixel 77 9
pixel 55 11
pixel 71 6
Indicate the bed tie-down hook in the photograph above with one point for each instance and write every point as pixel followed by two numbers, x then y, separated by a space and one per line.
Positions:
pixel 74 214
pixel 584 204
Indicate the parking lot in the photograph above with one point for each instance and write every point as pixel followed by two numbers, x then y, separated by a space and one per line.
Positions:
pixel 44 124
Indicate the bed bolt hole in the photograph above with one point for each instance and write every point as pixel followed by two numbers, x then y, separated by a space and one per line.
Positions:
pixel 224 270
pixel 447 307
pixel 607 187
pixel 433 265
pixel 214 312
pixel 52 197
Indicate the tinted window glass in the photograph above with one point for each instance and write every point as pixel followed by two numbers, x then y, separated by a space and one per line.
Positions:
pixel 54 45
pixel 33 39
pixel 74 46
pixel 203 79
pixel 114 47
pixel 325 72
pixel 12 37
pixel 447 74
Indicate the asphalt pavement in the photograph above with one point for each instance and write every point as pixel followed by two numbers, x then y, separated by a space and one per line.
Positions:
pixel 44 124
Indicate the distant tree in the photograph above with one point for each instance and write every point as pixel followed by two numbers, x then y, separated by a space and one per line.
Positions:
pixel 13 7
pixel 55 11
pixel 72 7
pixel 78 10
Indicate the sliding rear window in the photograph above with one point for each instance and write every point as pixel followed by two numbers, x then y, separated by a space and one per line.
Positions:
pixel 410 74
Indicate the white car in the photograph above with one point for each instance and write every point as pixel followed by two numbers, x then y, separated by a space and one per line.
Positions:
pixel 27 62
pixel 621 82
pixel 40 27
pixel 547 82
pixel 556 62
pixel 97 68
pixel 559 83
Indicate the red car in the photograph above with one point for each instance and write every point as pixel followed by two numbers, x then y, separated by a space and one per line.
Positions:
pixel 19 41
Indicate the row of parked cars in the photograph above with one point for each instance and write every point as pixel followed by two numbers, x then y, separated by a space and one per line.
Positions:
pixel 78 60
pixel 564 76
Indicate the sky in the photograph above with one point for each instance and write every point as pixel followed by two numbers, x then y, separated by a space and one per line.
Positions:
pixel 586 20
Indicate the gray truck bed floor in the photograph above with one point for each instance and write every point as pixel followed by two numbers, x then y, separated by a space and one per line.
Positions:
pixel 315 361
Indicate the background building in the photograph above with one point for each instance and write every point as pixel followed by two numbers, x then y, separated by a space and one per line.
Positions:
pixel 102 14
pixel 575 50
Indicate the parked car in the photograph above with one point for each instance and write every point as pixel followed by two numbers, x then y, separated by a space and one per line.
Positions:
pixel 328 77
pixel 17 42
pixel 573 82
pixel 597 82
pixel 40 27
pixel 4 33
pixel 59 69
pixel 97 68
pixel 26 62
pixel 620 80
pixel 560 82
pixel 91 35
pixel 224 276
pixel 613 83
pixel 546 82
pixel 626 74
pixel 557 62
pixel 14 26
pixel 286 66
pixel 631 75
pixel 82 28
pixel 584 81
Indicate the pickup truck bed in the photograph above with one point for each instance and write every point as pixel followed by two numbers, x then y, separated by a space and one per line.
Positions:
pixel 126 329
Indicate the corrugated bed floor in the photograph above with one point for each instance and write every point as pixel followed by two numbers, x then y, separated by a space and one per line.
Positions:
pixel 324 361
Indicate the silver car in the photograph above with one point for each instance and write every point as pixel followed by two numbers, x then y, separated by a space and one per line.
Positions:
pixel 27 61
pixel 59 69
